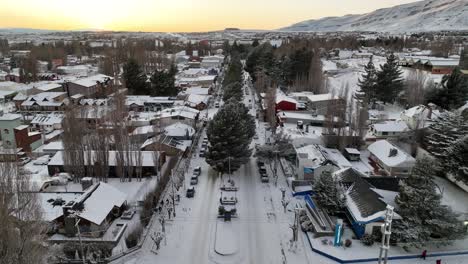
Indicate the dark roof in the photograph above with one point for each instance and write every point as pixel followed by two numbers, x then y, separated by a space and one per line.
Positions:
pixel 367 201
pixel 384 183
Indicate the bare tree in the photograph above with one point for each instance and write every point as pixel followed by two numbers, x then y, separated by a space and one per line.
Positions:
pixel 270 99
pixel 73 155
pixel 315 77
pixel 415 84
pixel 20 217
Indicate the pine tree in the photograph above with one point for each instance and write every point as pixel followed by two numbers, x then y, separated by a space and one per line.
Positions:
pixel 448 128
pixel 233 90
pixel 163 83
pixel 457 159
pixel 134 78
pixel 329 194
pixel 424 218
pixel 367 85
pixel 454 91
pixel 389 81
pixel 229 134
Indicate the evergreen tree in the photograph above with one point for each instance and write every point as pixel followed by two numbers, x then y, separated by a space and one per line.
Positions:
pixel 389 81
pixel 229 134
pixel 255 43
pixel 328 193
pixel 457 159
pixel 454 91
pixel 424 218
pixel 448 128
pixel 134 78
pixel 367 85
pixel 233 90
pixel 163 83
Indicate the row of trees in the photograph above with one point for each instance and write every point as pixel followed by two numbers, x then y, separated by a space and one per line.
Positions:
pixel 86 147
pixel 299 68
pixel 232 128
pixel 162 82
pixel 384 84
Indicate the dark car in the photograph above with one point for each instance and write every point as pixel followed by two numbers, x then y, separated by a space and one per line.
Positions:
pixel 194 180
pixel 197 171
pixel 260 163
pixel 190 192
pixel 202 152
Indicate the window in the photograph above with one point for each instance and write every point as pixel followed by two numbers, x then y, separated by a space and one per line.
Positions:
pixel 384 133
pixel 6 131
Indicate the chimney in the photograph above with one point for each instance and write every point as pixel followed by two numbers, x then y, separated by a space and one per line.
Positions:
pixel 393 152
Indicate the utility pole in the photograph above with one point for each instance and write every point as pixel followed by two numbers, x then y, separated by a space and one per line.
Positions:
pixel 81 242
pixel 386 230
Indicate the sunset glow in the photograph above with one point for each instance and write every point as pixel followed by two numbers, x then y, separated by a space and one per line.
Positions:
pixel 174 15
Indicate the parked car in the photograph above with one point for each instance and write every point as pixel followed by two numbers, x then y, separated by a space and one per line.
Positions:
pixel 24 160
pixel 197 171
pixel 255 136
pixel 262 169
pixel 264 177
pixel 217 105
pixel 202 152
pixel 260 163
pixel 190 192
pixel 194 180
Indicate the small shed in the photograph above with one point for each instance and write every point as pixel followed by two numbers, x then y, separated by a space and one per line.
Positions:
pixel 352 154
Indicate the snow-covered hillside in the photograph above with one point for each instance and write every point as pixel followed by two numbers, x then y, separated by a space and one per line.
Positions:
pixel 428 15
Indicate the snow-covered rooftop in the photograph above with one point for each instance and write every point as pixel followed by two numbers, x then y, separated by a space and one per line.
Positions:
pixel 391 126
pixel 382 148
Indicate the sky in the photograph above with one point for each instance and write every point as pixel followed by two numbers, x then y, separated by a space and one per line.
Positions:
pixel 175 15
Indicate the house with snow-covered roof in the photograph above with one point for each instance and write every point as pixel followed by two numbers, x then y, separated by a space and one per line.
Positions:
pixel 47 122
pixel 389 129
pixel 419 116
pixel 312 160
pixel 95 208
pixel 178 114
pixel 146 160
pixel 365 204
pixel 388 159
pixel 99 84
pixel 44 102
pixel 285 103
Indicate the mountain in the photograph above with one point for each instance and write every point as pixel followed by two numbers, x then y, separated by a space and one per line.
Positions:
pixel 428 15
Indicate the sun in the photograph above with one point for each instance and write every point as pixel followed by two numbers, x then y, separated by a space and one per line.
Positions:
pixel 99 14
